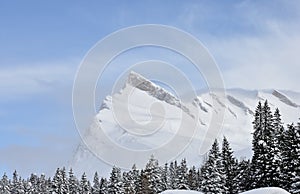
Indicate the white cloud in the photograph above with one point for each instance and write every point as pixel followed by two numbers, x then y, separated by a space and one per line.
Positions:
pixel 260 48
pixel 268 61
pixel 31 79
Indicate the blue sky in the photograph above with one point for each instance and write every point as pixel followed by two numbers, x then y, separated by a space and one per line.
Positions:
pixel 43 42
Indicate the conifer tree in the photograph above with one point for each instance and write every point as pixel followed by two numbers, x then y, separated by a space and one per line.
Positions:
pixel 272 159
pixel 103 186
pixel 212 175
pixel 43 186
pixel 115 185
pixel 85 187
pixel 228 164
pixel 153 173
pixel 73 183
pixel 275 153
pixel 182 175
pixel 145 184
pixel 290 156
pixel 5 185
pixel 295 160
pixel 192 179
pixel 166 178
pixel 28 187
pixel 136 178
pixel 129 187
pixel 34 181
pixel 16 186
pixel 65 183
pixel 261 146
pixel 57 182
pixel 295 186
pixel 96 184
pixel 242 182
pixel 173 169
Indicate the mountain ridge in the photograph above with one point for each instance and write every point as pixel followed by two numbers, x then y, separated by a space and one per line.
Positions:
pixel 239 106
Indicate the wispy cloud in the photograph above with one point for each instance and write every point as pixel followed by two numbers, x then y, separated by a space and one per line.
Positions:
pixel 256 45
pixel 21 81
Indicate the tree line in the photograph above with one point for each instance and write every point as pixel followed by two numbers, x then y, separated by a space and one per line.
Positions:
pixel 275 163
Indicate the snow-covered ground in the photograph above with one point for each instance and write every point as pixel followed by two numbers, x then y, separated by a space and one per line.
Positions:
pixel 180 192
pixel 269 190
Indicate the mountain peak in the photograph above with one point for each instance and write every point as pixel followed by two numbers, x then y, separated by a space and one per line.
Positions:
pixel 138 81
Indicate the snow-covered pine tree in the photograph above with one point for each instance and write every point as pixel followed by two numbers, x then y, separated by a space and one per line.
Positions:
pixel 34 182
pixel 173 175
pixel 21 189
pixel 241 182
pixel 57 182
pixel 153 173
pixel 145 184
pixel 128 182
pixel 192 179
pixel 103 186
pixel 270 174
pixel 85 186
pixel 211 172
pixel 258 148
pixel 136 178
pixel 276 150
pixel 73 183
pixel 295 187
pixel 199 179
pixel 28 188
pixel 96 184
pixel 166 178
pixel 15 182
pixel 291 156
pixel 228 164
pixel 5 185
pixel 16 185
pixel 65 182
pixel 43 186
pixel 182 175
pixel 49 185
pixel 261 170
pixel 115 185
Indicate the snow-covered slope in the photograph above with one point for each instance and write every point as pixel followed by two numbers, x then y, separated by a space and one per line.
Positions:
pixel 180 192
pixel 269 190
pixel 151 116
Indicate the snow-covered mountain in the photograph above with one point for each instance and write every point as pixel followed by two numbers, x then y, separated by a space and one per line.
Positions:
pixel 144 116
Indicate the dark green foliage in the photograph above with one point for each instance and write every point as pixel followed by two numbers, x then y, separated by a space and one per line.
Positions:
pixel 115 181
pixel 229 165
pixel 241 182
pixel 212 172
pixel 265 168
pixel 291 156
pixel 85 186
pixel 193 179
pixel 73 183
